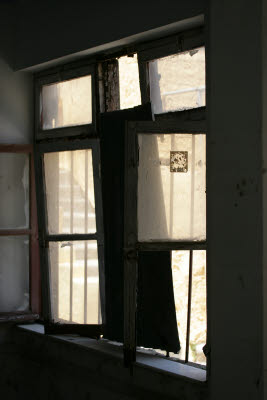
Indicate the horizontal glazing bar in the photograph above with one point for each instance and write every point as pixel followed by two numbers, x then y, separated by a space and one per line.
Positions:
pixel 15 232
pixel 72 237
pixel 157 246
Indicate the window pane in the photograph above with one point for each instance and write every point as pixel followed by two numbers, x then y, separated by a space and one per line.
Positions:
pixel 70 192
pixel 14 273
pixel 14 190
pixel 171 187
pixel 180 276
pixel 67 103
pixel 75 282
pixel 177 82
pixel 129 82
pixel 198 323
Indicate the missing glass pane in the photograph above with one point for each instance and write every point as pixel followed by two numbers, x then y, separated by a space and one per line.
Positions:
pixel 70 192
pixel 171 206
pixel 67 103
pixel 14 191
pixel 129 82
pixel 177 82
pixel 75 282
pixel 198 311
pixel 14 273
pixel 198 323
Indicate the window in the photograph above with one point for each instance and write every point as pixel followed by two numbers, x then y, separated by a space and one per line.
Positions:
pixel 166 213
pixel 20 275
pixel 72 234
pixel 121 160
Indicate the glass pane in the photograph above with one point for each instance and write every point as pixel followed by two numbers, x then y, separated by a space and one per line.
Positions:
pixel 177 82
pixel 180 277
pixel 14 273
pixel 70 192
pixel 171 187
pixel 14 190
pixel 130 95
pixel 67 103
pixel 198 323
pixel 75 282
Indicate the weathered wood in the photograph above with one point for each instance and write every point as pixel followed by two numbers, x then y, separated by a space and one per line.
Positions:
pixel 15 232
pixel 35 274
pixel 130 241
pixel 16 148
pixel 45 237
pixel 18 317
pixel 154 246
pixel 60 74
pixel 111 85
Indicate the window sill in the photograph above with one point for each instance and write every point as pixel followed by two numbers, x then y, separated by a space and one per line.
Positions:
pixel 153 363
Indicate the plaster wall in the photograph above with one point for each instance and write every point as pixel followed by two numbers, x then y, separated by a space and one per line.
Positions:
pixel 47 29
pixel 234 197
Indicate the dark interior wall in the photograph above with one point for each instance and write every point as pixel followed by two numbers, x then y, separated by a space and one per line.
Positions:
pixel 48 29
pixel 234 199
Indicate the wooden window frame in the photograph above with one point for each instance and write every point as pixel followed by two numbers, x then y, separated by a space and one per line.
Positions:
pixel 32 233
pixel 90 330
pixel 181 122
pixel 57 75
pixel 189 119
pixel 179 43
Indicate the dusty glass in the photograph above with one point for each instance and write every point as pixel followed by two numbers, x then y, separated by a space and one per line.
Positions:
pixel 66 103
pixel 14 273
pixel 177 82
pixel 74 277
pixel 171 187
pixel 70 194
pixel 14 191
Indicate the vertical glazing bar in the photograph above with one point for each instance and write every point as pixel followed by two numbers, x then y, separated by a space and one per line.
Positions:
pixel 171 194
pixel 71 230
pixel 86 230
pixel 189 305
pixel 192 211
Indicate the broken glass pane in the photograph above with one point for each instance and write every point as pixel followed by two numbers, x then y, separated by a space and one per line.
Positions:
pixel 14 191
pixel 14 273
pixel 67 103
pixel 177 82
pixel 198 323
pixel 129 82
pixel 75 282
pixel 70 192
pixel 171 187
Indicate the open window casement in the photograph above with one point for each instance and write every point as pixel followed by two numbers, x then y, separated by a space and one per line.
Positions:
pixel 71 241
pixel 165 210
pixel 112 127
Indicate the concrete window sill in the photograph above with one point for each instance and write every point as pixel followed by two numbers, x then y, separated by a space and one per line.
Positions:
pixel 152 362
